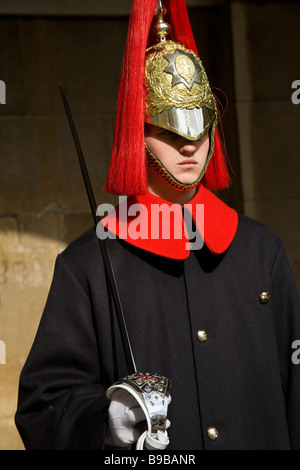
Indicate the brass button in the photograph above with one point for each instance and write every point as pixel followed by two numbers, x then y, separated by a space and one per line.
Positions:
pixel 212 433
pixel 264 297
pixel 202 335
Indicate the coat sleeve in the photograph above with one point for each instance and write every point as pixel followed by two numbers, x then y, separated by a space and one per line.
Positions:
pixel 287 319
pixel 62 404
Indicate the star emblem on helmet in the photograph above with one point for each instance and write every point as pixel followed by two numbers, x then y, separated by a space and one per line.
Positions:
pixel 184 69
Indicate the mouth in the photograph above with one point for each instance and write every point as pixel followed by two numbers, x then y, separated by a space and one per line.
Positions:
pixel 188 163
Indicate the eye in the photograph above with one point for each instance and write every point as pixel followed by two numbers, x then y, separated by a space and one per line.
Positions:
pixel 165 132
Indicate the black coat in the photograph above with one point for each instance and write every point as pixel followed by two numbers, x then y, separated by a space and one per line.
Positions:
pixel 241 379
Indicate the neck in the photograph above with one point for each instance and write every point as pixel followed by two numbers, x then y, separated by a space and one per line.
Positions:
pixel 162 189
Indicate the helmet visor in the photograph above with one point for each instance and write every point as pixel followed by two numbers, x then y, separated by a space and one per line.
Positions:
pixel 189 123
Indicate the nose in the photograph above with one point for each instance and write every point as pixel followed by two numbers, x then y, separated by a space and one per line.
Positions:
pixel 187 149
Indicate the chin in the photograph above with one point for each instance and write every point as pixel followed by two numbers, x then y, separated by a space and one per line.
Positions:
pixel 188 180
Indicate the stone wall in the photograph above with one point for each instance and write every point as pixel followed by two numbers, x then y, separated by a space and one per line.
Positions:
pixel 249 50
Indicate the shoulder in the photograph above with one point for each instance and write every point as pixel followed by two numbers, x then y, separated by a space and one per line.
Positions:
pixel 256 238
pixel 82 245
pixel 249 228
pixel 83 254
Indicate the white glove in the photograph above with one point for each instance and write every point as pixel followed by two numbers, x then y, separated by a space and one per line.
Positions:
pixel 124 413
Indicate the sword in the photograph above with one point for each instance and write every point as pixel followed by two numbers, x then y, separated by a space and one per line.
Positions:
pixel 105 253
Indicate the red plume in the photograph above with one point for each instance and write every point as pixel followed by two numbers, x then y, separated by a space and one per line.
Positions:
pixel 127 172
pixel 178 18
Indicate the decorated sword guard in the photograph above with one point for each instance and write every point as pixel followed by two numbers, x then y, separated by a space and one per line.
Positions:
pixel 152 392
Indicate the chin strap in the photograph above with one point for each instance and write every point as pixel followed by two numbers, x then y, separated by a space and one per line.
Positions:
pixel 152 392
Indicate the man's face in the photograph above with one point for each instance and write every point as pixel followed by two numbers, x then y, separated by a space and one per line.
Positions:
pixel 183 158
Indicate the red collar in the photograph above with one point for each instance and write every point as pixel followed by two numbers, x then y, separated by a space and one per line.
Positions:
pixel 135 220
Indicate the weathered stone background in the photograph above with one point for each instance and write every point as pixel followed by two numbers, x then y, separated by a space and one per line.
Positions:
pixel 250 50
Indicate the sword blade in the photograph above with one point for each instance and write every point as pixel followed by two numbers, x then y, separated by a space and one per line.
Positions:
pixel 105 253
pixel 81 159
